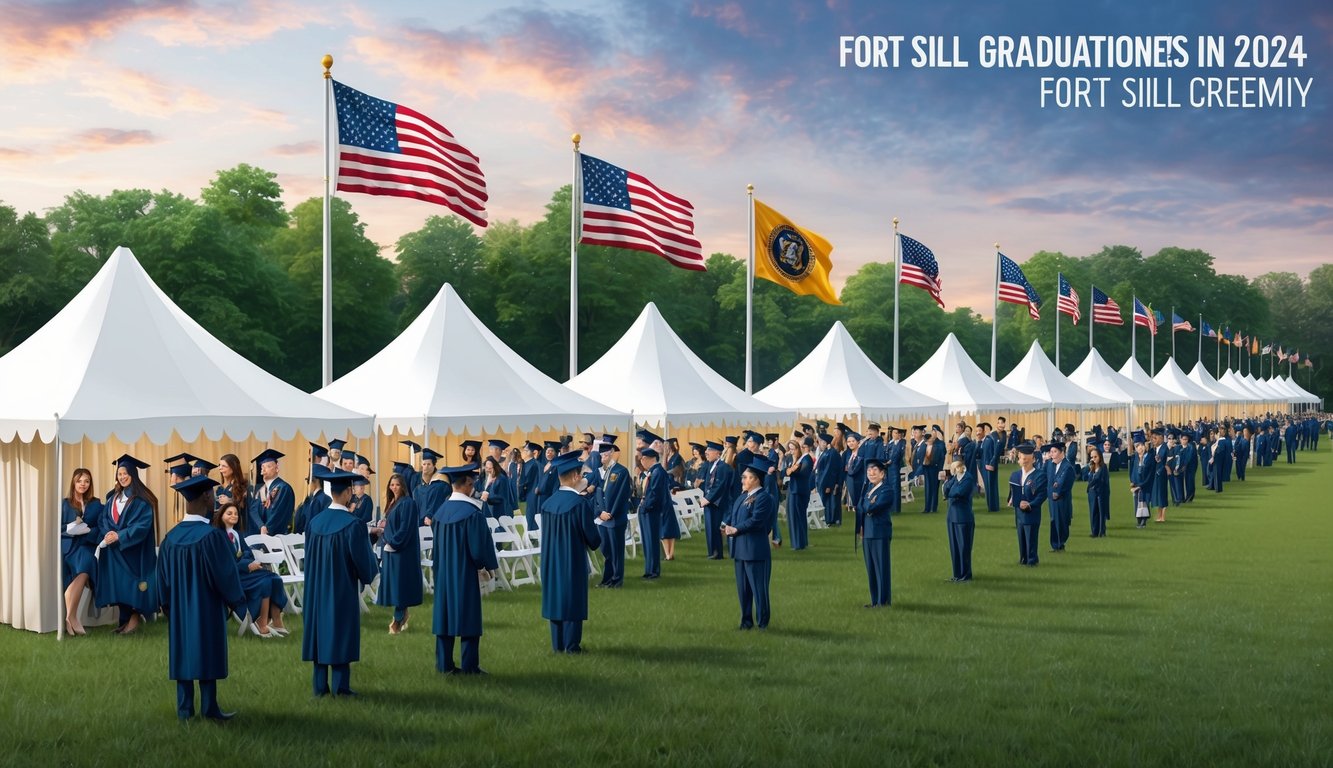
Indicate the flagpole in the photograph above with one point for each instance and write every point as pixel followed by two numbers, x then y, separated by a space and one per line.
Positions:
pixel 1201 337
pixel 1217 364
pixel 995 321
pixel 1152 343
pixel 1092 307
pixel 326 364
pixel 1134 327
pixel 897 281
pixel 1172 320
pixel 575 205
pixel 1059 278
pixel 749 301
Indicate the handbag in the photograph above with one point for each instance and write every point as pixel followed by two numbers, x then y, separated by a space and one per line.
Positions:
pixel 1141 509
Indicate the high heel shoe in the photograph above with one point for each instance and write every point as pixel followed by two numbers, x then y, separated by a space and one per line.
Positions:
pixel 394 627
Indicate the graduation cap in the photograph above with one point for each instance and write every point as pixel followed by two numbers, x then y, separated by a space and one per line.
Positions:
pixel 554 445
pixel 731 440
pixel 531 446
pixel 131 464
pixel 1026 448
pixel 843 427
pixel 759 464
pixel 180 470
pixel 361 480
pixel 821 424
pixel 647 437
pixel 673 442
pixel 1138 436
pixel 873 425
pixel 461 472
pixel 854 435
pixel 876 463
pixel 318 451
pixel 360 458
pixel 608 439
pixel 186 457
pixel 401 468
pixel 195 487
pixel 1056 446
pixel 204 465
pixel 411 444
pixel 807 428
pixel 713 446
pixel 566 462
pixel 649 453
pixel 337 445
pixel 936 428
pixel 921 427
pixel 1158 431
pixel 430 455
pixel 268 455
pixel 339 480
pixel 1069 428
pixel 495 442
pixel 700 446
pixel 825 437
pixel 470 443
pixel 771 435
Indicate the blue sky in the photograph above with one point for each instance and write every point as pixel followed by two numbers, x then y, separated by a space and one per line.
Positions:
pixel 703 98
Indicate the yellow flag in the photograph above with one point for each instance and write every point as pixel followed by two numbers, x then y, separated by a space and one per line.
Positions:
pixel 790 256
pixel 1254 345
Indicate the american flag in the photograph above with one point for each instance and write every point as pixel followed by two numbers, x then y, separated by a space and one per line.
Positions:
pixel 920 268
pixel 1158 320
pixel 625 210
pixel 1180 324
pixel 1281 355
pixel 1267 350
pixel 1104 309
pixel 1208 331
pixel 1015 288
pixel 388 149
pixel 1143 317
pixel 1067 302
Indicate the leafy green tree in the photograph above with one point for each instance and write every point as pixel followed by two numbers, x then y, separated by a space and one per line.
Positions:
pixel 27 295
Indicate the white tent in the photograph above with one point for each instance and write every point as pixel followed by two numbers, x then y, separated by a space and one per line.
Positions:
pixel 1267 389
pixel 837 380
pixel 1238 383
pixel 448 372
pixel 651 373
pixel 1175 380
pixel 119 362
pixel 1036 375
pixel 951 375
pixel 1135 373
pixel 73 375
pixel 1286 385
pixel 1200 375
pixel 1306 395
pixel 1096 375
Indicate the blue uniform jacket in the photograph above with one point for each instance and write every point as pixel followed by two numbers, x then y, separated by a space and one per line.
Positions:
pixel 876 505
pixel 1061 485
pixel 613 494
pixel 959 493
pixel 752 516
pixel 1033 491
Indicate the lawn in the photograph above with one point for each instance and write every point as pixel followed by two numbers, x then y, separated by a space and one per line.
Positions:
pixel 1202 641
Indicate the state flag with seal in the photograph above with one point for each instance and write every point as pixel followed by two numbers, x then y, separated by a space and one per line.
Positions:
pixel 791 256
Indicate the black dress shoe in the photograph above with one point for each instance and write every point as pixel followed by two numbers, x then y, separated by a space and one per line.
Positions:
pixel 745 627
pixel 220 716
pixel 477 671
pixel 348 693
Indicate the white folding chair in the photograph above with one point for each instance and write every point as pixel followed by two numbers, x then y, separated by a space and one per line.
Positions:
pixel 292 546
pixel 814 512
pixel 632 536
pixel 427 536
pixel 516 560
pixel 906 494
pixel 688 507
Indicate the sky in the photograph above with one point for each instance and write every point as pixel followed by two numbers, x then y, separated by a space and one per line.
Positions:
pixel 702 98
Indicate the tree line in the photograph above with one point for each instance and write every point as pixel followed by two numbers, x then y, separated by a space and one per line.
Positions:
pixel 248 270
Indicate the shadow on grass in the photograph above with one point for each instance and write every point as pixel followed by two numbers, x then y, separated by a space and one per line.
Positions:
pixel 726 658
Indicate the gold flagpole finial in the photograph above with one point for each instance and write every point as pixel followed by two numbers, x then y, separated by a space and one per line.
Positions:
pixel 327 63
pixel 997 246
pixel 576 138
pixel 749 189
pixel 895 223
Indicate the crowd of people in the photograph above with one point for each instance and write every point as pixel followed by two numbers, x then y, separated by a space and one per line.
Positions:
pixel 578 498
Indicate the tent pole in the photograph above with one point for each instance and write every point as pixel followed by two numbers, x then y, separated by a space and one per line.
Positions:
pixel 60 592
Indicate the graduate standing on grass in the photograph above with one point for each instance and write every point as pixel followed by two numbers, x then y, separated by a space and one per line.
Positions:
pixel 717 485
pixel 656 503
pixel 274 502
pixel 434 487
pixel 197 581
pixel 127 562
pixel 612 504
pixel 1099 491
pixel 1027 492
pixel 400 571
pixel 1060 475
pixel 463 555
pixel 958 491
pixel 989 463
pixel 567 535
pixel 877 513
pixel 338 565
pixel 748 524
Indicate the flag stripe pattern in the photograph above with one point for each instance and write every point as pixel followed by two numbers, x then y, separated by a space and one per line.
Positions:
pixel 1067 302
pixel 388 149
pixel 1104 309
pixel 1180 324
pixel 1015 288
pixel 920 268
pixel 1143 317
pixel 622 209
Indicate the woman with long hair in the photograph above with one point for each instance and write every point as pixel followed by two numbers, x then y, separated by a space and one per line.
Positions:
pixel 80 514
pixel 513 470
pixel 316 501
pixel 496 489
pixel 671 523
pixel 400 572
pixel 264 596
pixel 235 489
pixel 799 477
pixel 127 567
pixel 1099 491
pixel 696 469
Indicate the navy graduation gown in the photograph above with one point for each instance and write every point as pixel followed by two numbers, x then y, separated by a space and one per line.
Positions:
pixel 400 570
pixel 310 508
pixel 274 511
pixel 76 551
pixel 430 496
pixel 126 570
pixel 1099 498
pixel 363 508
pixel 338 563
pixel 463 546
pixel 499 497
pixel 258 584
pixel 568 533
pixel 197 580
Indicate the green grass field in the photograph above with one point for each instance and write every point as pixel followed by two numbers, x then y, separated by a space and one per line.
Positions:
pixel 1203 641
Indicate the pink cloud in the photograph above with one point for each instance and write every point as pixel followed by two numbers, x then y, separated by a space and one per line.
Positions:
pixel 139 93
pixel 90 141
pixel 297 148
